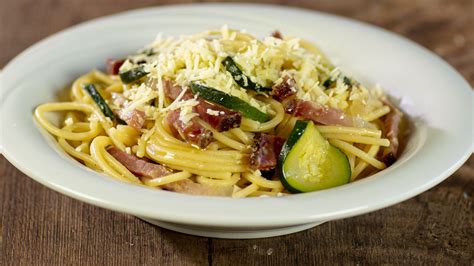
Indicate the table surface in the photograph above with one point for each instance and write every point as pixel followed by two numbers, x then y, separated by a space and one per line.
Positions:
pixel 40 226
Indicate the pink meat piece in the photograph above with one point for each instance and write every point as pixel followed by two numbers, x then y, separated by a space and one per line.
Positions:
pixel 392 131
pixel 113 66
pixel 224 120
pixel 277 34
pixel 134 118
pixel 192 131
pixel 265 151
pixel 139 166
pixel 284 89
pixel 318 113
pixel 172 91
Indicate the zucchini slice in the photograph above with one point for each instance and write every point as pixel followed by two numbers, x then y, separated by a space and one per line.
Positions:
pixel 240 78
pixel 103 106
pixel 133 74
pixel 229 101
pixel 307 161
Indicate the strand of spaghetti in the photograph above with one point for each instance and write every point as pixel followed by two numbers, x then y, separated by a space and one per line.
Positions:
pixel 214 146
pixel 346 147
pixel 228 154
pixel 358 139
pixel 282 124
pixel 224 139
pixel 125 134
pixel 98 154
pixel 232 154
pixel 285 132
pixel 83 147
pixel 211 174
pixel 154 152
pixel 159 181
pixel 228 141
pixel 141 148
pixel 119 142
pixel 93 167
pixel 77 93
pixel 115 87
pixel 231 136
pixel 351 159
pixel 217 182
pixel 350 130
pixel 254 126
pixel 377 113
pixel 262 182
pixel 245 192
pixel 278 189
pixel 66 106
pixel 163 138
pixel 70 118
pixel 196 155
pixel 86 158
pixel 143 140
pixel 372 151
pixel 240 134
pixel 166 159
pixel 104 78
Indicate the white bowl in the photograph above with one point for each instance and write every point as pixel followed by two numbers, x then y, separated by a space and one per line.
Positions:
pixel 434 94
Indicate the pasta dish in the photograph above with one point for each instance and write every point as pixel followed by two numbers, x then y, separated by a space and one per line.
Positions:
pixel 222 113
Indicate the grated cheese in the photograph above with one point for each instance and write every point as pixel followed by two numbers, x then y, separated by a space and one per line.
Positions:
pixel 214 112
pixel 186 59
pixel 69 121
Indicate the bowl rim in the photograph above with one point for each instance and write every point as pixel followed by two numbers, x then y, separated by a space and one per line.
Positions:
pixel 233 212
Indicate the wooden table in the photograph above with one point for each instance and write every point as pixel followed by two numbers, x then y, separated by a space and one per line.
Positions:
pixel 40 226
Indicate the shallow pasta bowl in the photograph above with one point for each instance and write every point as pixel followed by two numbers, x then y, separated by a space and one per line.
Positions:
pixel 437 99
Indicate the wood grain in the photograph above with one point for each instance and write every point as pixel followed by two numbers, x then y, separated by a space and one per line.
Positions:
pixel 41 227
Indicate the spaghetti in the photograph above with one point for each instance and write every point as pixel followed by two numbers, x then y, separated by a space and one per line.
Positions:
pixel 150 108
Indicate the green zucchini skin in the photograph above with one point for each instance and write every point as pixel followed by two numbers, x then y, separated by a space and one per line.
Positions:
pixel 329 82
pixel 333 170
pixel 229 101
pixel 133 74
pixel 296 133
pixel 103 106
pixel 240 77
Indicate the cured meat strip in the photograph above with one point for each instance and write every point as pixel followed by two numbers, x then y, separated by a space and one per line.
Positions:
pixel 139 166
pixel 189 187
pixel 113 66
pixel 284 89
pixel 265 151
pixel 192 132
pixel 392 131
pixel 218 117
pixel 172 91
pixel 134 118
pixel 318 113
